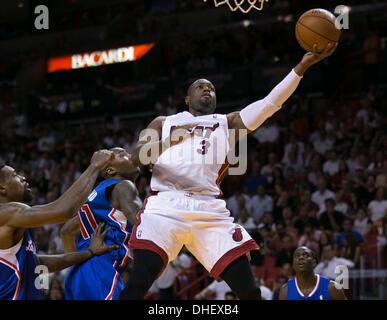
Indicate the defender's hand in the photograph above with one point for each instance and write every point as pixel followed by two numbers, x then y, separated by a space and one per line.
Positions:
pixel 97 244
pixel 102 158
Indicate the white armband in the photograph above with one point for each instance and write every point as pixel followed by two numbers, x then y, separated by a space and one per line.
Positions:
pixel 256 113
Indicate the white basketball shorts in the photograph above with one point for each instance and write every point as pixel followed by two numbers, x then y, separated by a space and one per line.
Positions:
pixel 203 224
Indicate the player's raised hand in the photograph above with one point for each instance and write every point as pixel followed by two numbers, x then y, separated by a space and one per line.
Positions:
pixel 102 158
pixel 311 58
pixel 97 244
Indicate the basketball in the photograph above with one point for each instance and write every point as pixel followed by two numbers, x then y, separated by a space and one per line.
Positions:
pixel 316 26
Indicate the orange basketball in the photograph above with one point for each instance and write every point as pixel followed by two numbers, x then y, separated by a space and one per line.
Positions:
pixel 316 26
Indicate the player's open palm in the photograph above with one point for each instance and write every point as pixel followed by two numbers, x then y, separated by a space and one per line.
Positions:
pixel 311 58
pixel 97 244
pixel 102 158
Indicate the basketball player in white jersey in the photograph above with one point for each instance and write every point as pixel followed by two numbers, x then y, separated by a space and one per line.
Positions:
pixel 184 209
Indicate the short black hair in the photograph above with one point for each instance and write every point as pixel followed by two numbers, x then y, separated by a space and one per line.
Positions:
pixel 312 252
pixel 330 200
pixel 314 255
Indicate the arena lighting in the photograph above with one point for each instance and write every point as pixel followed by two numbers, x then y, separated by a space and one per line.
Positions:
pixel 98 58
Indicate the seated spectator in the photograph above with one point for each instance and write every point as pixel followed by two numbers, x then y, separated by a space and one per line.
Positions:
pixel 306 201
pixel 255 178
pixel 288 217
pixel 310 238
pixel 367 192
pixel 232 202
pixel 362 222
pixel 341 205
pixel 381 178
pixel 340 175
pixel 277 237
pixel 268 132
pixel 260 204
pixel 331 165
pixel 290 179
pixel 215 291
pixel 268 221
pixel 325 239
pixel 267 169
pixel 285 255
pixel 245 220
pixel 303 220
pixel 378 206
pixel 349 241
pixel 322 194
pixel 329 262
pixel 331 219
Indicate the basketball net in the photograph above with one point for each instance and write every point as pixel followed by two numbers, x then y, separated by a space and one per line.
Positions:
pixel 241 5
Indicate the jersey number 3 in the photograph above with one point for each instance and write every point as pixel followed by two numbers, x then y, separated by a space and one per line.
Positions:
pixel 204 148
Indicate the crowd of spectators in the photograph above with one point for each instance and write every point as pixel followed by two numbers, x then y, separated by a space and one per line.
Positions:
pixel 317 170
pixel 318 181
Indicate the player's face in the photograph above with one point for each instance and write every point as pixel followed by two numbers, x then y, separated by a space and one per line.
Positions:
pixel 202 96
pixel 14 186
pixel 303 260
pixel 123 164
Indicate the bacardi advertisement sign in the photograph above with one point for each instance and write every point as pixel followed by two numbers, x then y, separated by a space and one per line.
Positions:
pixel 98 58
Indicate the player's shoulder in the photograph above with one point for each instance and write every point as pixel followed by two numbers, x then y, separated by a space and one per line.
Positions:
pixel 125 186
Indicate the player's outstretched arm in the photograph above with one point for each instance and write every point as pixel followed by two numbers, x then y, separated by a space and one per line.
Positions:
pixel 151 145
pixel 97 247
pixel 125 198
pixel 336 294
pixel 283 294
pixel 19 215
pixel 252 116
pixel 68 233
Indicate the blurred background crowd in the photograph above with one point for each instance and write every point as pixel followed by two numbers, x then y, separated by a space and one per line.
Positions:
pixel 317 170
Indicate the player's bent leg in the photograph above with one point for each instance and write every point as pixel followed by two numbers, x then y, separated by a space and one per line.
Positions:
pixel 147 265
pixel 244 286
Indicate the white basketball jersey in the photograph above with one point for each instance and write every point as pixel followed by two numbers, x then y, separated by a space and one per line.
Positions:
pixel 198 164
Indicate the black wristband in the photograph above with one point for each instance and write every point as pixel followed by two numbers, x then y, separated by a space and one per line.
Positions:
pixel 91 251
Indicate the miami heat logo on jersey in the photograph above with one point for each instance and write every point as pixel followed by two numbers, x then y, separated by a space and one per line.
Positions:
pixel 237 235
pixel 203 132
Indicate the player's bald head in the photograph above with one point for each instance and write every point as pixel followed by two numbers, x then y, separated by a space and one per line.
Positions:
pixel 201 97
pixel 198 82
